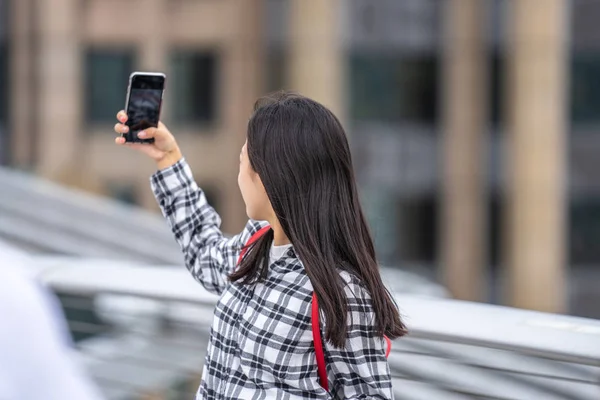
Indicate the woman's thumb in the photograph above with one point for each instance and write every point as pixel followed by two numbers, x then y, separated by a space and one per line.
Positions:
pixel 149 133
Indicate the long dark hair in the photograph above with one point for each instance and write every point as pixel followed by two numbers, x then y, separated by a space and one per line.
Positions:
pixel 300 151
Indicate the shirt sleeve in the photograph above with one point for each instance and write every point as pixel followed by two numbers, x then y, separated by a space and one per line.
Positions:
pixel 360 370
pixel 208 254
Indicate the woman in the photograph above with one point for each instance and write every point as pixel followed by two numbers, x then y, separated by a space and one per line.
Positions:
pixel 295 175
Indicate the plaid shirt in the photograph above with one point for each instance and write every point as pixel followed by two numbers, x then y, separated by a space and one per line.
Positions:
pixel 261 344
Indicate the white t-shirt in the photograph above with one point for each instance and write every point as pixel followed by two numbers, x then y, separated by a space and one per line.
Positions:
pixel 278 251
pixel 36 359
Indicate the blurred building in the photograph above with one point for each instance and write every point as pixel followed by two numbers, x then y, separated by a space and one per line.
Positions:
pixel 438 96
pixel 69 63
pixel 4 147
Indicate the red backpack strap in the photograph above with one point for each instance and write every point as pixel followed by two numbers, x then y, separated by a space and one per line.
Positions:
pixel 257 235
pixel 389 346
pixel 316 330
pixel 318 341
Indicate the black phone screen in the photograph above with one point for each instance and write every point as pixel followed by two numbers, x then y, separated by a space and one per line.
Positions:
pixel 143 107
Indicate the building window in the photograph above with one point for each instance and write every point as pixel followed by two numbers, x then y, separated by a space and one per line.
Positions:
pixel 393 88
pixel 419 221
pixel 495 218
pixel 275 71
pixel 123 192
pixel 107 76
pixel 496 89
pixel 584 232
pixel 193 78
pixel 585 88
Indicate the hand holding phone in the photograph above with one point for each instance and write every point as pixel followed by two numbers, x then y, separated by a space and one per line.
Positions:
pixel 143 104
pixel 141 117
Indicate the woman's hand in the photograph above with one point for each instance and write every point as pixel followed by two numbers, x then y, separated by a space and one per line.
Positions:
pixel 164 150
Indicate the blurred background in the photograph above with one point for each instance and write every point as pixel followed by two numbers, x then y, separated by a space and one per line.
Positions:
pixel 474 125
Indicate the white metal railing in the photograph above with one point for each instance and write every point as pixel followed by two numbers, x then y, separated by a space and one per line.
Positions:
pixel 455 349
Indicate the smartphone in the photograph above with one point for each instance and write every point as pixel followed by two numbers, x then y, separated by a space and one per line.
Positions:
pixel 143 104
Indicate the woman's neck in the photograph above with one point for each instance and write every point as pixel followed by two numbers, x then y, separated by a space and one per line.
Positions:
pixel 279 237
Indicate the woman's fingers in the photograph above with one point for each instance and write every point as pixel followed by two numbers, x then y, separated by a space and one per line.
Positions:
pixel 121 128
pixel 164 141
pixel 122 116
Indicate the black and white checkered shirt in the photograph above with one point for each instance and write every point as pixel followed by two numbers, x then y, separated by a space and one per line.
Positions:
pixel 261 344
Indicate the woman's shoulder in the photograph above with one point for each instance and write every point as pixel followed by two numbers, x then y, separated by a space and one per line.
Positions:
pixel 252 228
pixel 288 273
pixel 293 276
